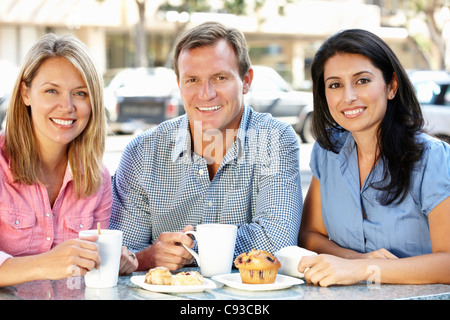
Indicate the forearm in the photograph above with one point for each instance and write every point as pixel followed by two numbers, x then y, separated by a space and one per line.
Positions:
pixel 319 243
pixel 18 270
pixel 326 270
pixel 430 268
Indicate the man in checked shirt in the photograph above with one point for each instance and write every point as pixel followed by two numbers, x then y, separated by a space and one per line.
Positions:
pixel 220 162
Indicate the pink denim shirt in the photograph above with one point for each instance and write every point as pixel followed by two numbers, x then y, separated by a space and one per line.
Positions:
pixel 29 225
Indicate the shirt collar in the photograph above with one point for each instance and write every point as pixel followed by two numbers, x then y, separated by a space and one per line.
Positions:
pixel 347 149
pixel 183 140
pixel 348 159
pixel 183 147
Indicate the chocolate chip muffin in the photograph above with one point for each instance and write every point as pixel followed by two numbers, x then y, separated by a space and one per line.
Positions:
pixel 257 266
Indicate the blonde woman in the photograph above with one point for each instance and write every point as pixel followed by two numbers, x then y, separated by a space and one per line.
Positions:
pixel 53 183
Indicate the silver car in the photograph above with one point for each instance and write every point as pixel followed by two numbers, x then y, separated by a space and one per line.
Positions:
pixel 270 93
pixel 433 93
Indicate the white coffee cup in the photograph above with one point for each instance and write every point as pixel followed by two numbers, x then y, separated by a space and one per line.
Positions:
pixel 215 248
pixel 290 257
pixel 109 244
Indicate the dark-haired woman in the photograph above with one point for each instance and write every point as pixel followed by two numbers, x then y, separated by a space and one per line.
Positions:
pixel 378 207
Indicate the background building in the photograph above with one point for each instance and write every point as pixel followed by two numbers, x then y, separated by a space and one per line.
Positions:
pixel 281 34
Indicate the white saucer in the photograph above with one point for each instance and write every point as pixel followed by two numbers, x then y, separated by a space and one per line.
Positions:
pixel 234 280
pixel 140 281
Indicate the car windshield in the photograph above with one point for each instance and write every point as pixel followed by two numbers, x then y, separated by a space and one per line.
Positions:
pixel 144 82
pixel 430 92
pixel 432 87
pixel 265 80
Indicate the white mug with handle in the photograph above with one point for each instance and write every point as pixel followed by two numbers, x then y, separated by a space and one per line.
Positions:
pixel 215 248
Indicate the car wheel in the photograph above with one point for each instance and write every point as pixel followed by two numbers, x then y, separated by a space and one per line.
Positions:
pixel 306 130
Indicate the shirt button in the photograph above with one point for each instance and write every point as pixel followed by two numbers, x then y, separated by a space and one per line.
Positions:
pixel 47 214
pixel 48 238
pixel 17 221
pixel 200 172
pixel 81 226
pixel 210 203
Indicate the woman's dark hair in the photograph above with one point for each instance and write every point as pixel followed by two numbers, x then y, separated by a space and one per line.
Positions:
pixel 403 120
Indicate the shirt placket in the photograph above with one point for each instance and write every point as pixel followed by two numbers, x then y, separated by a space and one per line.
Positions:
pixel 47 222
pixel 213 205
pixel 348 162
pixel 202 177
pixel 209 201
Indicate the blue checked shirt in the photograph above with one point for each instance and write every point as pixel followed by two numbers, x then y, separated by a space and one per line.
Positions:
pixel 162 186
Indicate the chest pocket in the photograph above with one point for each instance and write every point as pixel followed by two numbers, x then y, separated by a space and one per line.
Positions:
pixel 16 230
pixel 76 223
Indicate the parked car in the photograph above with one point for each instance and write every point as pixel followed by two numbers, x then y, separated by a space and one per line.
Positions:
pixel 8 74
pixel 270 93
pixel 304 124
pixel 433 92
pixel 138 98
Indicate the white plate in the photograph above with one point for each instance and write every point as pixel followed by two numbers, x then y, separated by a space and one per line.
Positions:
pixel 234 280
pixel 140 281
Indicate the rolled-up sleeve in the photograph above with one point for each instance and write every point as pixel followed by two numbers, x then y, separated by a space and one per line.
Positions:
pixel 3 257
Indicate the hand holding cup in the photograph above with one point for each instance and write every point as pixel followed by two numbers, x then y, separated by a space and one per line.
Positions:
pixel 215 246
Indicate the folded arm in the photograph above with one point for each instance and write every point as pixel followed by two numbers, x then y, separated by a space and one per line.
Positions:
pixel 337 265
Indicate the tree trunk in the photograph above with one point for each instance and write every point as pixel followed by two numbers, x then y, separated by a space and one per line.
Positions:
pixel 141 43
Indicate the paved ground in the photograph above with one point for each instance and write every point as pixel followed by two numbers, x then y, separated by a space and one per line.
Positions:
pixel 115 145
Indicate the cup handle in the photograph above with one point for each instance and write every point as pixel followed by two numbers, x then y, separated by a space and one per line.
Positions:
pixel 194 254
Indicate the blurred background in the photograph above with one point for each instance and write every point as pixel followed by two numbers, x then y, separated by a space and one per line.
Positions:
pixel 132 41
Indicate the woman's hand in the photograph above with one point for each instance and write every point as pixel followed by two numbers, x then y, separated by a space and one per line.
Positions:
pixel 326 270
pixel 71 258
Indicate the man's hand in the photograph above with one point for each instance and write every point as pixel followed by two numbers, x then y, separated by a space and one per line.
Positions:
pixel 167 251
pixel 128 262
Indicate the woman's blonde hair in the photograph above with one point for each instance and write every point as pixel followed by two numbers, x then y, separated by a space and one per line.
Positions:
pixel 85 152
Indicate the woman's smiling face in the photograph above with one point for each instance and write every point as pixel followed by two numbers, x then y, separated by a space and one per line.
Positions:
pixel 356 92
pixel 59 101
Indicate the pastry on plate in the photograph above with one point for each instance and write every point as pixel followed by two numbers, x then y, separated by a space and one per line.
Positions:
pixel 188 278
pixel 159 276
pixel 257 267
